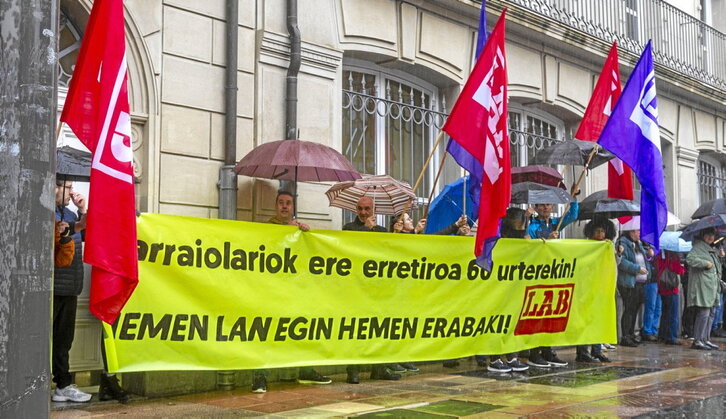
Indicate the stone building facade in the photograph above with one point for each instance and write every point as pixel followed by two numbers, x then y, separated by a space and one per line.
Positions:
pixel 376 80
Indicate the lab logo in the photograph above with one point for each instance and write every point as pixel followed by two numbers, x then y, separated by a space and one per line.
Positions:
pixel 546 309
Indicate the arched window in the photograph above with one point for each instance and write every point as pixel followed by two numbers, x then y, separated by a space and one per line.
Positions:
pixel 390 122
pixel 530 130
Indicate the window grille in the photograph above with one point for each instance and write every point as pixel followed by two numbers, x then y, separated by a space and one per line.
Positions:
pixel 711 181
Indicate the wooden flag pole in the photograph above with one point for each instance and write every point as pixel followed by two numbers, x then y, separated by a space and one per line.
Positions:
pixel 423 170
pixel 576 186
pixel 436 179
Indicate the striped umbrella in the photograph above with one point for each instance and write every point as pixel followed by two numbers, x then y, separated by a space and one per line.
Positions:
pixel 390 196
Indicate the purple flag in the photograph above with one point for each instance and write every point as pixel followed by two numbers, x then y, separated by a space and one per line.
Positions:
pixel 632 134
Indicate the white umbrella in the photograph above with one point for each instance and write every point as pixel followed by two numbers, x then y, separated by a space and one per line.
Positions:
pixel 634 223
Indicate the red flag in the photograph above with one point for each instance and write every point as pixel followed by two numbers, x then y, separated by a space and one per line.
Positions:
pixel 606 94
pixel 97 110
pixel 478 123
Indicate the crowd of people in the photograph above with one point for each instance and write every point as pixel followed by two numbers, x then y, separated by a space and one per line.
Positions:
pixel 646 283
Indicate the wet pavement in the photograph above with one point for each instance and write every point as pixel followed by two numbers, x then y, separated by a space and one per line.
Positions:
pixel 652 380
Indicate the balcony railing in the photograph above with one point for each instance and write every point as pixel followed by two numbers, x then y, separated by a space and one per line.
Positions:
pixel 680 41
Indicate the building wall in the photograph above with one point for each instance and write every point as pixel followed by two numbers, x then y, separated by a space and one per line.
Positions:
pixel 177 79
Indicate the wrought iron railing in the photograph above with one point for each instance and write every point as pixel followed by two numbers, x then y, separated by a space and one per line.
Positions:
pixel 681 42
pixel 359 106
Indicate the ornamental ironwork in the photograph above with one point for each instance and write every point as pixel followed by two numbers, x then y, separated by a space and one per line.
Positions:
pixel 681 42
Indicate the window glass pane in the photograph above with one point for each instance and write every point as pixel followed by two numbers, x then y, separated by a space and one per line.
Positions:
pixel 359 121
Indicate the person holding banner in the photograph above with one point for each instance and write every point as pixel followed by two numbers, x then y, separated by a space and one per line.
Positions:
pixel 544 227
pixel 599 229
pixel 284 214
pixel 366 221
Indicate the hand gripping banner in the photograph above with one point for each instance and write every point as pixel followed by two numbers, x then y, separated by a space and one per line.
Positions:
pixel 219 294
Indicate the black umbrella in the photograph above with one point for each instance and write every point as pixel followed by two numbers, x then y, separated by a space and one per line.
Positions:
pixel 73 164
pixel 717 206
pixel 717 221
pixel 573 153
pixel 599 205
pixel 536 193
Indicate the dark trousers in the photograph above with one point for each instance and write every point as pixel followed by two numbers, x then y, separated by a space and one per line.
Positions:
pixel 632 299
pixel 669 320
pixel 64 327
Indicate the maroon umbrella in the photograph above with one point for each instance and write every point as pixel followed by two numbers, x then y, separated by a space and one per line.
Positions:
pixel 538 174
pixel 296 160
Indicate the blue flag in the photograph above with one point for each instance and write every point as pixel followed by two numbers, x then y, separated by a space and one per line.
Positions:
pixel 632 134
pixel 463 157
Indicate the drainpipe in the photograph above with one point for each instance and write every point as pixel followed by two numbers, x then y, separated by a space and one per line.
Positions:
pixel 227 177
pixel 291 87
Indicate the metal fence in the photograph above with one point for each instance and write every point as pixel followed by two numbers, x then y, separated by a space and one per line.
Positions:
pixel 680 41
pixel 363 112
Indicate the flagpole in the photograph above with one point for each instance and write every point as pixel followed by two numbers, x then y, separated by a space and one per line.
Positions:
pixel 423 170
pixel 576 186
pixel 58 131
pixel 436 179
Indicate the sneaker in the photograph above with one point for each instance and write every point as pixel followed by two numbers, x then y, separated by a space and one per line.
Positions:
pixel 70 393
pixel 554 360
pixel 650 338
pixel 586 357
pixel 313 377
pixel 259 384
pixel 697 344
pixel 516 365
pixel 601 357
pixel 410 367
pixel 628 342
pixel 536 360
pixel 110 389
pixel 395 368
pixel 609 347
pixel 711 345
pixel 353 378
pixel 498 366
pixel 384 374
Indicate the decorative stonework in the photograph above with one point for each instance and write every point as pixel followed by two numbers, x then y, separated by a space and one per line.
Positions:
pixel 275 49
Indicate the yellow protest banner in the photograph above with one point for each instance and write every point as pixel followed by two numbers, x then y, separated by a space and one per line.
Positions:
pixel 218 294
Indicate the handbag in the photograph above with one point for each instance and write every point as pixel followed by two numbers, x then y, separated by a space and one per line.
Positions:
pixel 670 279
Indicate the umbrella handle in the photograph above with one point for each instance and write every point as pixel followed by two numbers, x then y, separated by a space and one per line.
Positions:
pixel 576 186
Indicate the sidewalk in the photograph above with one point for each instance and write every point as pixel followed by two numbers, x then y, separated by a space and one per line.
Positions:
pixel 651 380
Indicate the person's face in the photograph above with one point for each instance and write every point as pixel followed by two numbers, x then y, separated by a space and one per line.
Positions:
pixel 284 207
pixel 63 195
pixel 407 223
pixel 709 238
pixel 364 209
pixel 598 234
pixel 543 210
pixel 634 235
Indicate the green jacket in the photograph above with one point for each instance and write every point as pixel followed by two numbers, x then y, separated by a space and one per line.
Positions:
pixel 703 285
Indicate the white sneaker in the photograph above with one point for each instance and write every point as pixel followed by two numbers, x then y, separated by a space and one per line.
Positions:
pixel 70 393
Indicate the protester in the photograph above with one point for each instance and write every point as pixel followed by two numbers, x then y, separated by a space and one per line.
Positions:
pixel 668 268
pixel 544 226
pixel 67 286
pixel 633 273
pixel 513 227
pixel 366 221
pixel 285 215
pixel 704 273
pixel 652 309
pixel 599 229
